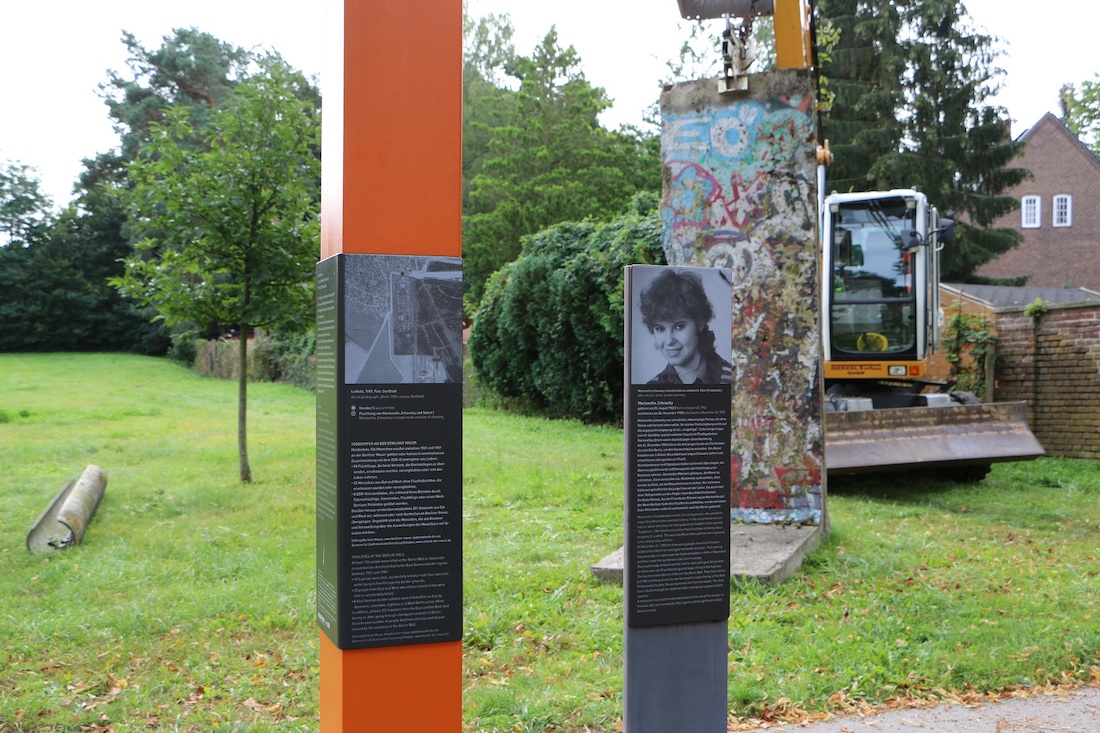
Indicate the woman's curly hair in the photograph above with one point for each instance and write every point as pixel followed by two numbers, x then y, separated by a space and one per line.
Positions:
pixel 674 295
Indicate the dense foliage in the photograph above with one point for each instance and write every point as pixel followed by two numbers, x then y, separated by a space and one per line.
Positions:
pixel 968 340
pixel 54 271
pixel 229 227
pixel 910 84
pixel 55 267
pixel 538 155
pixel 1081 111
pixel 54 294
pixel 228 215
pixel 24 209
pixel 549 333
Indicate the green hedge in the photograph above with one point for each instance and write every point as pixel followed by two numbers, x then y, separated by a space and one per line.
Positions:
pixel 548 335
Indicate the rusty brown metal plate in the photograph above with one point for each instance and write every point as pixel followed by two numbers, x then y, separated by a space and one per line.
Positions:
pixel 928 437
pixel 704 9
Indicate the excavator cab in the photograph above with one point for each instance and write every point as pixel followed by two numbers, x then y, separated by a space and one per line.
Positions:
pixel 878 262
pixel 880 322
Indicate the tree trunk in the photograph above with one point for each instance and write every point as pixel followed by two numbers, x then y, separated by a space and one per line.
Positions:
pixel 242 406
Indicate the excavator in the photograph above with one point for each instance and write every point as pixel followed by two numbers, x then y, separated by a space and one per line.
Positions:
pixel 880 312
pixel 881 322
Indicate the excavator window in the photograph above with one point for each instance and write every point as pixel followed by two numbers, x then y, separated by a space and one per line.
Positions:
pixel 873 299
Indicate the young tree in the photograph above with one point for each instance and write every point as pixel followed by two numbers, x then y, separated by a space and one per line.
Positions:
pixel 190 68
pixel 230 226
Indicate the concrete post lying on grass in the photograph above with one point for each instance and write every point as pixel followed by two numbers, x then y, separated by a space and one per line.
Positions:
pixel 64 521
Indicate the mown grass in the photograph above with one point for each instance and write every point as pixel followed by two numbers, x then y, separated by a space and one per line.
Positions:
pixel 189 605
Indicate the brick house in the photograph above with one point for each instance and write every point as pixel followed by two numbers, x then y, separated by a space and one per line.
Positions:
pixel 1058 216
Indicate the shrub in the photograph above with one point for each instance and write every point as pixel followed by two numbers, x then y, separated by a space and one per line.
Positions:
pixel 271 358
pixel 184 349
pixel 290 359
pixel 548 334
pixel 967 340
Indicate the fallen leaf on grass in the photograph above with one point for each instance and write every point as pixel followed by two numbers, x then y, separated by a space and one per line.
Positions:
pixel 256 706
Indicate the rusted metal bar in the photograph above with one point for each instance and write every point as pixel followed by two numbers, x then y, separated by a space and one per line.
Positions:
pixel 874 440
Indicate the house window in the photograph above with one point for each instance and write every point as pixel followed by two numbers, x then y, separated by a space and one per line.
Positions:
pixel 1063 210
pixel 1030 212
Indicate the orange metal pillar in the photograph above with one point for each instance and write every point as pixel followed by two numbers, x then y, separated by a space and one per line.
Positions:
pixel 391 184
pixel 392 167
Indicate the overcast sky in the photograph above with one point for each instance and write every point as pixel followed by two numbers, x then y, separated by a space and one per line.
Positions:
pixel 55 53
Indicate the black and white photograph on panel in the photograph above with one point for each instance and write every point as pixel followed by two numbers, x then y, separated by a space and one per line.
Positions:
pixel 681 325
pixel 403 320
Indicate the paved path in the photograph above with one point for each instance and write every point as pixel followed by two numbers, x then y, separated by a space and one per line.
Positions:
pixel 1076 711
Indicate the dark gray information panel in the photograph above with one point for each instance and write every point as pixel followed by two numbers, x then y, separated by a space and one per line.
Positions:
pixel 677 434
pixel 678 504
pixel 389 451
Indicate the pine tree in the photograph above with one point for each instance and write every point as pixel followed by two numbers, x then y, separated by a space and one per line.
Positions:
pixel 863 77
pixel 550 161
pixel 926 74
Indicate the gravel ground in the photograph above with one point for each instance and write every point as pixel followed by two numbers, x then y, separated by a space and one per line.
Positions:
pixel 1073 711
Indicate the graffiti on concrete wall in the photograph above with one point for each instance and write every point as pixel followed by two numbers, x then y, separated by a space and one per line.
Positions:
pixel 740 192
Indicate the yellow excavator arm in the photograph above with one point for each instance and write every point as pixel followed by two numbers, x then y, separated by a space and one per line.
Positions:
pixel 793 36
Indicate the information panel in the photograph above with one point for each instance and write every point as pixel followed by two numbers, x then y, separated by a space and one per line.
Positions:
pixel 677 422
pixel 389 452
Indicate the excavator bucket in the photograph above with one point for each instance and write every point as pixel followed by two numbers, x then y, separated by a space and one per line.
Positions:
pixel 929 437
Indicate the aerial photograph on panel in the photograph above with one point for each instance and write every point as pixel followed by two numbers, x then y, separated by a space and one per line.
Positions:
pixel 403 320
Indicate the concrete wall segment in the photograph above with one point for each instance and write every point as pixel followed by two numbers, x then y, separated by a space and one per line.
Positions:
pixel 740 191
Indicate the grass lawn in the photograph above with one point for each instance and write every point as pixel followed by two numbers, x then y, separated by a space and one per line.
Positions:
pixel 189 605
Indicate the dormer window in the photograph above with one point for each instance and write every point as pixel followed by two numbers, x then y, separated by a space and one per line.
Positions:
pixel 1030 212
pixel 1063 210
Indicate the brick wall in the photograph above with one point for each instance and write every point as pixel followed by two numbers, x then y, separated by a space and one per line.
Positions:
pixel 1053 363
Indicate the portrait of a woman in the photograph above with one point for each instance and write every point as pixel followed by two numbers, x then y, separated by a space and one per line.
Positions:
pixel 677 313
